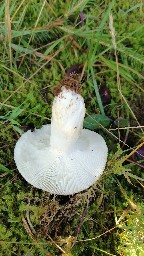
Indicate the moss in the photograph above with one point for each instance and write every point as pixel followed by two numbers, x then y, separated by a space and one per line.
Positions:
pixel 132 239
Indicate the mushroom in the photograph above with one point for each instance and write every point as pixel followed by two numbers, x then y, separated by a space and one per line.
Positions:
pixel 62 157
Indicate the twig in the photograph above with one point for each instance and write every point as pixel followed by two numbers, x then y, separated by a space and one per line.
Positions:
pixel 80 224
pixel 90 239
pixel 56 245
pixel 29 222
pixel 128 127
pixel 135 163
pixel 27 228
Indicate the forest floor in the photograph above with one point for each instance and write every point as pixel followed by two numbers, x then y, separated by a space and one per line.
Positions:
pixel 39 41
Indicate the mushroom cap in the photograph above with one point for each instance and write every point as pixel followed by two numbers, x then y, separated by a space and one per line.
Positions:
pixel 62 173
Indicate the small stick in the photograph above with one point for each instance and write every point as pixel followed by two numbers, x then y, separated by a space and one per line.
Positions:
pixel 80 224
pixel 135 163
pixel 29 222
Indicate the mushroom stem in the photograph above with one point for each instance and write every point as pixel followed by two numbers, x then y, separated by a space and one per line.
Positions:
pixel 68 113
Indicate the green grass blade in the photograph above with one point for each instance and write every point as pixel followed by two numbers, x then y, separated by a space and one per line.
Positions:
pixel 97 92
pixel 4 169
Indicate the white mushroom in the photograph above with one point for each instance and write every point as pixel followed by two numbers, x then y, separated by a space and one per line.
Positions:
pixel 62 158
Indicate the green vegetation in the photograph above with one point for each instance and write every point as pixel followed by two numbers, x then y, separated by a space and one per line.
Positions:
pixel 39 40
